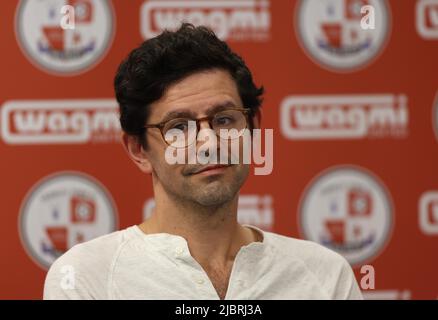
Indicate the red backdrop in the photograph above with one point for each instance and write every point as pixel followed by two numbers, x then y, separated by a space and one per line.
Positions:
pixel 353 110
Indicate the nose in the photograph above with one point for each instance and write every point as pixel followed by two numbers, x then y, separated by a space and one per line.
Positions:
pixel 206 143
pixel 204 124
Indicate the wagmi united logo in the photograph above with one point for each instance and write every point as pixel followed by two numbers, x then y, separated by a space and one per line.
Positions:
pixel 59 121
pixel 61 51
pixel 229 19
pixel 319 117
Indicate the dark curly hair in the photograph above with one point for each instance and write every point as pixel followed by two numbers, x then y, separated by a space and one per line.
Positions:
pixel 159 62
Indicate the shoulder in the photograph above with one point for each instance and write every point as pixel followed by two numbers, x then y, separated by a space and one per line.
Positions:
pixel 82 272
pixel 309 252
pixel 331 270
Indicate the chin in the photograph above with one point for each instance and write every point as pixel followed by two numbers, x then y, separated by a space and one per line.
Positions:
pixel 215 196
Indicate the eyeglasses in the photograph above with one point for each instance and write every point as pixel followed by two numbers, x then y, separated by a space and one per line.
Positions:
pixel 220 122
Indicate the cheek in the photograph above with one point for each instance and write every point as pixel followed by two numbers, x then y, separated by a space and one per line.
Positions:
pixel 244 168
pixel 241 150
pixel 156 156
pixel 162 168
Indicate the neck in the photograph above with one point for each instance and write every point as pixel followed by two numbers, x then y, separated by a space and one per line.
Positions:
pixel 213 234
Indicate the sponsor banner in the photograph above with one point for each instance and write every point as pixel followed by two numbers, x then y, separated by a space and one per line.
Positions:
pixel 75 121
pixel 332 35
pixel 320 117
pixel 427 19
pixel 428 212
pixel 62 210
pixel 347 209
pixel 235 20
pixel 387 295
pixel 64 51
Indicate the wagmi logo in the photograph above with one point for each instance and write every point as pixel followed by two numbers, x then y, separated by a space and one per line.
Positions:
pixel 344 116
pixel 235 20
pixel 59 121
pixel 427 19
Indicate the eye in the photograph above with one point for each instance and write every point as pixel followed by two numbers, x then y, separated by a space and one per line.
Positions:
pixel 223 120
pixel 180 125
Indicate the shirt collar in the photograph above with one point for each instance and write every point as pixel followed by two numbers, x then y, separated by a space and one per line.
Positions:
pixel 178 245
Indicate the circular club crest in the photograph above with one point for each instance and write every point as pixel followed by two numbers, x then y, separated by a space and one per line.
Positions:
pixel 347 210
pixel 331 32
pixel 61 211
pixel 64 51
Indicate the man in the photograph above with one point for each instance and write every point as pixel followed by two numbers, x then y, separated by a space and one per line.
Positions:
pixel 192 247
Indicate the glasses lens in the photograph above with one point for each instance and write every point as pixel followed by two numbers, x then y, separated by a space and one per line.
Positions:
pixel 229 124
pixel 180 132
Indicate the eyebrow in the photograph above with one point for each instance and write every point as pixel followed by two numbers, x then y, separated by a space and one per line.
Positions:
pixel 190 114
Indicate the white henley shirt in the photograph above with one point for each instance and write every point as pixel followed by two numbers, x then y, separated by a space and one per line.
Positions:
pixel 129 264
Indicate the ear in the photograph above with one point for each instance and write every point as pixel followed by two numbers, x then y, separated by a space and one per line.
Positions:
pixel 136 152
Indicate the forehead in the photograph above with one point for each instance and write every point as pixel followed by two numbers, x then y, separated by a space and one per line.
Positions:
pixel 197 93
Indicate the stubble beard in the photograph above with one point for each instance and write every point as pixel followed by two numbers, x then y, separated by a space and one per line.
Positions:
pixel 209 191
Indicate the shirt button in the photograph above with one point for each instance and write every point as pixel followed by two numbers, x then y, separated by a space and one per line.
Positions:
pixel 179 251
pixel 200 281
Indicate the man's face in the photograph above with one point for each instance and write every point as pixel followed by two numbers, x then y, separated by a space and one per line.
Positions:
pixel 198 95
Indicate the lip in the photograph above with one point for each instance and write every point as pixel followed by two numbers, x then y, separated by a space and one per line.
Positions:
pixel 212 169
